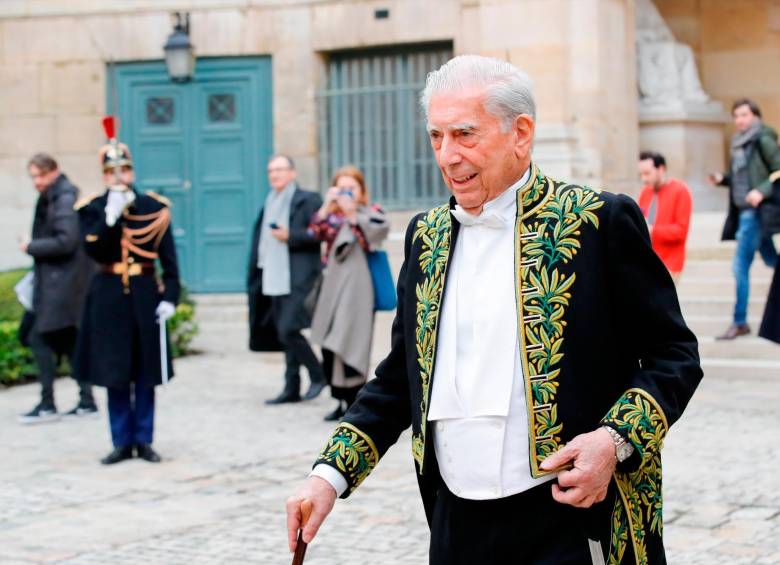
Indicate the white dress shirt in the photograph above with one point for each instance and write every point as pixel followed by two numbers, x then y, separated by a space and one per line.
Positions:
pixel 478 408
pixel 478 405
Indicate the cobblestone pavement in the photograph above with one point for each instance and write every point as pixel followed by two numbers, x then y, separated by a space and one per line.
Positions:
pixel 230 462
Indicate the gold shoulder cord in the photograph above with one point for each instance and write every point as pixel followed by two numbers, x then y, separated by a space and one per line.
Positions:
pixel 132 238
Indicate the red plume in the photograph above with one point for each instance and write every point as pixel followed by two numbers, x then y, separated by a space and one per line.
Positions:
pixel 110 126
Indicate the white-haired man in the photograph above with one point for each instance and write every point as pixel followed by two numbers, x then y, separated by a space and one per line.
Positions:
pixel 538 353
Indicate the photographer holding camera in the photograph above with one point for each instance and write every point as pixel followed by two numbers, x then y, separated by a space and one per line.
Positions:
pixel 343 321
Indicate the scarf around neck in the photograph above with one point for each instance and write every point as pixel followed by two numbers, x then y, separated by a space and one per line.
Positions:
pixel 273 256
pixel 740 143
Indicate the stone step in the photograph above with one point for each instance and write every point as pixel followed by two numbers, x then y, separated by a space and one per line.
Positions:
pixel 216 300
pixel 722 267
pixel 754 369
pixel 711 325
pixel 743 348
pixel 696 305
pixel 226 314
pixel 718 287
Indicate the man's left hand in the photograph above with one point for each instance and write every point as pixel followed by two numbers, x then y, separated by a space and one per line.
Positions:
pixel 282 234
pixel 593 456
pixel 754 198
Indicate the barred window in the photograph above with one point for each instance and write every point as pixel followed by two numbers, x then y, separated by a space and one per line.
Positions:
pixel 370 117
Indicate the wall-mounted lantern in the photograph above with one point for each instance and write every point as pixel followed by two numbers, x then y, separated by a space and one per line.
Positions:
pixel 179 52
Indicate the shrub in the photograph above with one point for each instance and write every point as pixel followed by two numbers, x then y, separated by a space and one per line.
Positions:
pixel 182 328
pixel 16 362
pixel 10 309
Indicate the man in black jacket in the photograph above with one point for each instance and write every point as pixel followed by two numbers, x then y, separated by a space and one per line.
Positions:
pixel 752 214
pixel 62 272
pixel 284 263
pixel 538 353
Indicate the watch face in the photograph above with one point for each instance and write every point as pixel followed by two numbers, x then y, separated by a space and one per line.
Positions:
pixel 624 452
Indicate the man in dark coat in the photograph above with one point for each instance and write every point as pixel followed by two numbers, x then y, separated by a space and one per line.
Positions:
pixel 62 273
pixel 754 205
pixel 538 353
pixel 770 323
pixel 119 346
pixel 284 263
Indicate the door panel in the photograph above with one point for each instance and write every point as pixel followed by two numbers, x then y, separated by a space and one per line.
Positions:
pixel 203 145
pixel 160 150
pixel 222 175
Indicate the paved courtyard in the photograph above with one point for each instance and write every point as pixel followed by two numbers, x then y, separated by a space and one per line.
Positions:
pixel 230 462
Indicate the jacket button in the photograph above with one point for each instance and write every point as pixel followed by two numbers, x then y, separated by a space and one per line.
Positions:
pixel 131 260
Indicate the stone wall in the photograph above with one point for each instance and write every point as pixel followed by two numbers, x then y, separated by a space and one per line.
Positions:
pixel 53 58
pixel 737 46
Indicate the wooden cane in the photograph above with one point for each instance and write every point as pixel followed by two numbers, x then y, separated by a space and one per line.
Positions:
pixel 300 548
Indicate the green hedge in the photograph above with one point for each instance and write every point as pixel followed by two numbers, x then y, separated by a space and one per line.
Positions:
pixel 10 309
pixel 16 361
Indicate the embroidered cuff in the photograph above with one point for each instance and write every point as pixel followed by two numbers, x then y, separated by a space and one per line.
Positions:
pixel 352 453
pixel 639 418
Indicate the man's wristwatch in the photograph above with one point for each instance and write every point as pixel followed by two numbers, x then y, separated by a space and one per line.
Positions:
pixel 623 449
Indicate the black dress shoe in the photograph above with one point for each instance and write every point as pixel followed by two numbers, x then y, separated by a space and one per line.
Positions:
pixel 314 391
pixel 119 454
pixel 284 398
pixel 145 452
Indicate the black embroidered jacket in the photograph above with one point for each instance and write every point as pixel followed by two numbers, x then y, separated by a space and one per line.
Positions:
pixel 602 342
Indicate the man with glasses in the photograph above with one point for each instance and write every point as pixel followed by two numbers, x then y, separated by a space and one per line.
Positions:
pixel 283 266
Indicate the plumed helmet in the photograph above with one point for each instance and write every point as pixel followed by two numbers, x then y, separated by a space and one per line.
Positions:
pixel 115 156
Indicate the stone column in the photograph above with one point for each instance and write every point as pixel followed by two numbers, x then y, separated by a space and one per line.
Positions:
pixel 676 117
pixel 580 55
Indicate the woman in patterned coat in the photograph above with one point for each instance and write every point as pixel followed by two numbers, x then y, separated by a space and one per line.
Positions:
pixel 343 322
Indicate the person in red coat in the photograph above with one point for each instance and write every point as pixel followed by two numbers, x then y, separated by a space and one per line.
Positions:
pixel 666 205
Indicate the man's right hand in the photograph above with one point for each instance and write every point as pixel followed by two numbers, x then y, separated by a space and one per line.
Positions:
pixel 715 178
pixel 322 496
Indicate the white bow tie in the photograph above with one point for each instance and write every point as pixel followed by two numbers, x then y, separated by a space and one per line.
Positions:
pixel 488 219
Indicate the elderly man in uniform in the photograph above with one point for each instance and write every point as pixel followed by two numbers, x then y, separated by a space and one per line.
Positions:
pixel 119 348
pixel 538 353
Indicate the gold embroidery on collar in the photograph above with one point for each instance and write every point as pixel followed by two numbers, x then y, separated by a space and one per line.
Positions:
pixel 549 219
pixel 434 231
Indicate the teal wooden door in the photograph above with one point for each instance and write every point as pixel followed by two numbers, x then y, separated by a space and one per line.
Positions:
pixel 203 145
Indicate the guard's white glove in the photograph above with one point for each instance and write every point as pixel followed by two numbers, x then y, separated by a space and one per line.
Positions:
pixel 116 204
pixel 165 310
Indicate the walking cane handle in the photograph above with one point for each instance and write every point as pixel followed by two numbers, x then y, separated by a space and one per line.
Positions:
pixel 300 549
pixel 306 508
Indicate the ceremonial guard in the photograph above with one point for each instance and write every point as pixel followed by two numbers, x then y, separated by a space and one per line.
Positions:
pixel 121 345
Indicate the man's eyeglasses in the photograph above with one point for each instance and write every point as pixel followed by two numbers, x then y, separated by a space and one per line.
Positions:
pixel 278 170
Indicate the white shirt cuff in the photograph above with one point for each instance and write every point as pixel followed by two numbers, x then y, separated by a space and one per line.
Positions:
pixel 328 473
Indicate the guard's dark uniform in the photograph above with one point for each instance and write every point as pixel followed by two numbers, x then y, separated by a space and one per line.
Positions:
pixel 119 345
